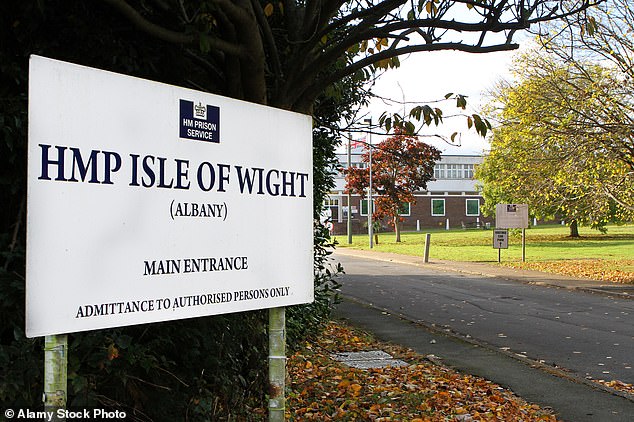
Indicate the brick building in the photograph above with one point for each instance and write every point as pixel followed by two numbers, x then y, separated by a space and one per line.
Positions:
pixel 450 201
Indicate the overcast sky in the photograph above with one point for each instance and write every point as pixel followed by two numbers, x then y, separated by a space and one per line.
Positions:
pixel 429 76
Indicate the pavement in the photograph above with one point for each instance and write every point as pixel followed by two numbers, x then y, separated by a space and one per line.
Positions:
pixel 572 398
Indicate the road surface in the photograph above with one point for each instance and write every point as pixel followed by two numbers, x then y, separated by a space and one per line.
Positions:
pixel 590 335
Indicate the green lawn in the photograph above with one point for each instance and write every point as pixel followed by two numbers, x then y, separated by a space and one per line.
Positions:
pixel 543 243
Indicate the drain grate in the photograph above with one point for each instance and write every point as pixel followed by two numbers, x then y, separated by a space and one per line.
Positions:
pixel 368 359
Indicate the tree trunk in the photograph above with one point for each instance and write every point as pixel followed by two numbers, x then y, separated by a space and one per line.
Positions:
pixel 397 228
pixel 574 229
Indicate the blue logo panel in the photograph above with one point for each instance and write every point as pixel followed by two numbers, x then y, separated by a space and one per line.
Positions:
pixel 200 121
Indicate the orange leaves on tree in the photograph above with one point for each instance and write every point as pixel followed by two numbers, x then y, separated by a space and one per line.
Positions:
pixel 401 165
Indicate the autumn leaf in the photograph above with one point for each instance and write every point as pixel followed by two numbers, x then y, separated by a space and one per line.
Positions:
pixel 112 352
pixel 268 10
pixel 323 389
pixel 621 271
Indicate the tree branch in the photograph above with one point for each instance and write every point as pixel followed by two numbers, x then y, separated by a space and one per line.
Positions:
pixel 168 35
pixel 148 27
pixel 313 89
pixel 268 38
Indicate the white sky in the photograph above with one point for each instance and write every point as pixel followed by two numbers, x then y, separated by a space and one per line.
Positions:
pixel 429 76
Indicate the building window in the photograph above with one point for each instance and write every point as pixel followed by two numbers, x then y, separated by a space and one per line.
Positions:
pixel 454 171
pixel 473 207
pixel 468 171
pixel 405 210
pixel 439 171
pixel 331 202
pixel 438 207
pixel 364 206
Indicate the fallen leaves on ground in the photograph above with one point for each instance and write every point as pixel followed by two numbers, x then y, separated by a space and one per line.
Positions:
pixel 326 390
pixel 615 271
pixel 618 385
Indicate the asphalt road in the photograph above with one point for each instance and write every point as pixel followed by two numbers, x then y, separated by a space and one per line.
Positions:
pixel 587 334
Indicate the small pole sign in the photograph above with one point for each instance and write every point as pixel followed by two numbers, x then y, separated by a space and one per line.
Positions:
pixel 500 241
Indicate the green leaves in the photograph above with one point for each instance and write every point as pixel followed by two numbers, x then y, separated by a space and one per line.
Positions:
pixel 590 26
pixel 204 43
pixel 557 121
pixel 428 115
pixel 461 101
pixel 482 126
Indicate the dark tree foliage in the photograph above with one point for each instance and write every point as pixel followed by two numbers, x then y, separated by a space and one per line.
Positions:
pixel 285 53
pixel 199 369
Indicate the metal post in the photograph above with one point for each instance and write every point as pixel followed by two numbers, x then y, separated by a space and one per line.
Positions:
pixel 349 221
pixel 370 208
pixel 55 374
pixel 523 245
pixel 427 244
pixel 277 363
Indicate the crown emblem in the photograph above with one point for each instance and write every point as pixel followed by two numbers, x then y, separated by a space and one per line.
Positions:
pixel 200 111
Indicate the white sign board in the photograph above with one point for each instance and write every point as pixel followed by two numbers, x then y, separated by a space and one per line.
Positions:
pixel 500 239
pixel 511 216
pixel 149 202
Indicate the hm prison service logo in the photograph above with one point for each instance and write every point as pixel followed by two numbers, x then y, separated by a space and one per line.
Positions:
pixel 199 121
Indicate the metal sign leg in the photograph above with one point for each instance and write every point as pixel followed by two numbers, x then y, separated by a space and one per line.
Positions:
pixel 277 363
pixel 55 373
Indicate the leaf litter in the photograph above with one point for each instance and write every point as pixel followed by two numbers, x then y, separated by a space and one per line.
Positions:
pixel 323 389
pixel 614 271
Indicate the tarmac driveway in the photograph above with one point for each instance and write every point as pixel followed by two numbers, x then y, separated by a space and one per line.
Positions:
pixel 582 334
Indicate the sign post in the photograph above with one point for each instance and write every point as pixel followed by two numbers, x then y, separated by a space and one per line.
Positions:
pixel 427 246
pixel 55 374
pixel 277 364
pixel 149 202
pixel 370 204
pixel 349 214
pixel 513 216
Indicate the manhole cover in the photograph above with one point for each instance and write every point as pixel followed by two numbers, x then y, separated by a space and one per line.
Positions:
pixel 368 359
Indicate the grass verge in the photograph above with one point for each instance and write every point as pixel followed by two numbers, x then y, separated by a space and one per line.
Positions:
pixel 607 257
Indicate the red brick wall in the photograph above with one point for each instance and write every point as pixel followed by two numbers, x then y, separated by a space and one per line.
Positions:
pixel 455 211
